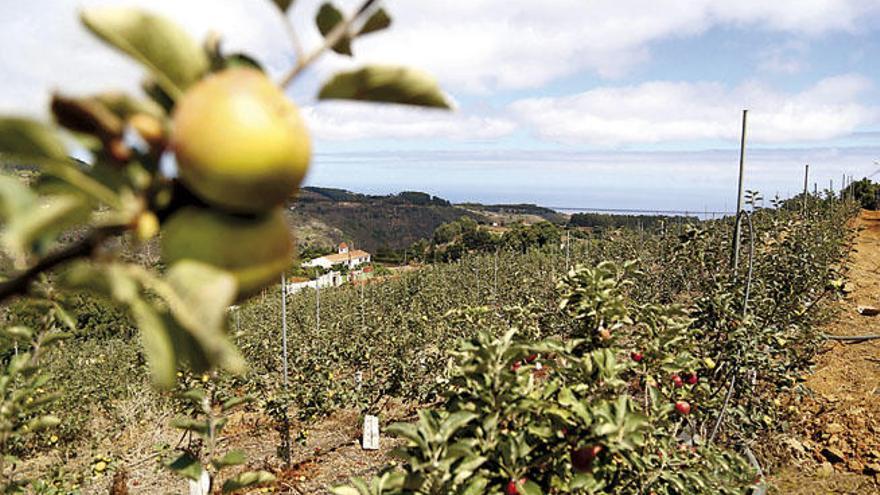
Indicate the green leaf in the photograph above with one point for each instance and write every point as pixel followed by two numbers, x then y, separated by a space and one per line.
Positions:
pixel 64 316
pixel 232 458
pixel 187 466
pixel 197 396
pixel 20 136
pixel 50 338
pixel 87 116
pixel 201 294
pixel 34 230
pixel 235 401
pixel 69 172
pixel 247 479
pixel 158 95
pixel 163 47
pixel 189 424
pixel 344 490
pixel 387 85
pixel 19 332
pixel 531 488
pixel 125 106
pixel 15 197
pixel 43 422
pixel 378 21
pixel 242 60
pixel 283 4
pixel 454 422
pixel 158 346
pixel 327 19
pixel 204 291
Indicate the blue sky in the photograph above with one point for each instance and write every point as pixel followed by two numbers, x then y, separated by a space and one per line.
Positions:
pixel 600 103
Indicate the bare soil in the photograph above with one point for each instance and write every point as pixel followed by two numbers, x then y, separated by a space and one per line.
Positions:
pixel 835 441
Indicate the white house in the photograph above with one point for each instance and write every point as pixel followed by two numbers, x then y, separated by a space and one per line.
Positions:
pixel 330 279
pixel 344 257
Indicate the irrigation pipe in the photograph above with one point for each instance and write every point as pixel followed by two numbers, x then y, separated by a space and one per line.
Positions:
pixel 761 489
pixel 852 339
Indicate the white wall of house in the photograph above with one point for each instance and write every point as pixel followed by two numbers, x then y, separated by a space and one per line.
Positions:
pixel 322 262
pixel 330 279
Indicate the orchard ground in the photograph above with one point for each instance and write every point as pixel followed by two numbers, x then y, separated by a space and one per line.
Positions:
pixel 835 444
pixel 843 414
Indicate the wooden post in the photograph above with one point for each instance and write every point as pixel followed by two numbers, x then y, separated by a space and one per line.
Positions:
pixel 495 289
pixel 806 179
pixel 567 251
pixel 739 194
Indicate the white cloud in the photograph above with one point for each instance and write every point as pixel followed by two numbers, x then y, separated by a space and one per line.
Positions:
pixel 349 121
pixel 45 48
pixel 787 58
pixel 471 45
pixel 481 45
pixel 663 111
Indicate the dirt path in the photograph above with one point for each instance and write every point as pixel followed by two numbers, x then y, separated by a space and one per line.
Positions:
pixel 837 438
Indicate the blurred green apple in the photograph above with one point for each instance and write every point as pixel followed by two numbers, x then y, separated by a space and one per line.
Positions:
pixel 240 142
pixel 255 249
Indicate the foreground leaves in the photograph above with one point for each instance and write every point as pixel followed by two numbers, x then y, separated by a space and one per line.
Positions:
pixel 185 326
pixel 386 84
pixel 160 45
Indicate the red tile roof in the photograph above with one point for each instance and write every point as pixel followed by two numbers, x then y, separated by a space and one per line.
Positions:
pixel 342 257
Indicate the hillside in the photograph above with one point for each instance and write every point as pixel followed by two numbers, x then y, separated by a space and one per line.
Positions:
pixel 325 216
pixel 514 213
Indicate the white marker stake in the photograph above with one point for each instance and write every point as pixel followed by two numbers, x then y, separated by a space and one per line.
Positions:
pixel 202 486
pixel 371 432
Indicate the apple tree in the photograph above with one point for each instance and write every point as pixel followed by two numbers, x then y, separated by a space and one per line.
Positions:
pixel 241 150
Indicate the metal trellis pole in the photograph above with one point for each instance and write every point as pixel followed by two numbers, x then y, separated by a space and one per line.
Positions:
pixel 806 179
pixel 739 195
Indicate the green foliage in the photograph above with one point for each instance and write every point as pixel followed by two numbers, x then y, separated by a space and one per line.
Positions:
pixel 25 401
pixel 171 56
pixel 327 19
pixel 389 84
pixel 865 192
pixel 605 221
pixel 556 417
pixel 208 425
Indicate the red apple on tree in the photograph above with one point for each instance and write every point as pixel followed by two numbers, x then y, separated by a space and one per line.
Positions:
pixel 512 487
pixel 683 408
pixel 582 458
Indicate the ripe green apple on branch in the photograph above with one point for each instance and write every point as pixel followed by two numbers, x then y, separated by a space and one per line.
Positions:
pixel 242 151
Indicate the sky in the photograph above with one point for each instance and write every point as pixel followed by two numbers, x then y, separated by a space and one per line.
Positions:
pixel 566 103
